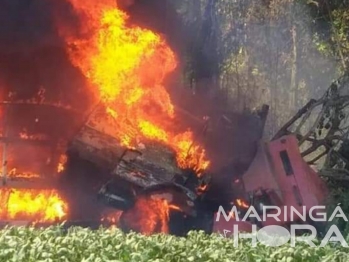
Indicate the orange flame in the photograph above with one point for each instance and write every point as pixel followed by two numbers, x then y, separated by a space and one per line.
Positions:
pixel 61 164
pixel 127 66
pixel 174 207
pixel 148 216
pixel 24 135
pixel 242 203
pixel 14 174
pixel 32 204
pixel 112 217
pixel 202 188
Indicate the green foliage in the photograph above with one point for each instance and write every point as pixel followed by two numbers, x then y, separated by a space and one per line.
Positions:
pixel 340 32
pixel 277 52
pixel 339 195
pixel 103 245
pixel 322 46
pixel 296 47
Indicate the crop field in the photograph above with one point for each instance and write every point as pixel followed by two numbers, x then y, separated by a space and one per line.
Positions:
pixel 103 245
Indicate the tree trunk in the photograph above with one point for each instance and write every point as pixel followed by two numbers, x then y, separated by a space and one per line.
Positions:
pixel 293 82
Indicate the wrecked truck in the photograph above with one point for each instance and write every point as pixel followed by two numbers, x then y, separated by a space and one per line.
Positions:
pixel 276 175
pixel 147 171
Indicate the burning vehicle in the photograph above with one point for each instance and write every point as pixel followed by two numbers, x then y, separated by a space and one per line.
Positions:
pixel 141 177
pixel 147 173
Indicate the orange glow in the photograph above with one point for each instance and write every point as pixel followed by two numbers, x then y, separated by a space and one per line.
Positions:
pixel 174 207
pixel 14 174
pixel 242 203
pixel 112 217
pixel 148 216
pixel 61 163
pixel 202 188
pixel 25 135
pixel 126 67
pixel 231 214
pixel 39 99
pixel 32 204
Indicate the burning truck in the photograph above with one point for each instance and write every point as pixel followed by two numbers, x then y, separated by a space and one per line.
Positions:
pixel 144 181
pixel 146 190
pixel 154 195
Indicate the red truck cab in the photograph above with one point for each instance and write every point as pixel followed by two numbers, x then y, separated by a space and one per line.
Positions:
pixel 279 172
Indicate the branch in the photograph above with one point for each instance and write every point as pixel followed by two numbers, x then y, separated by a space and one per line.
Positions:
pixel 327 142
pixel 331 98
pixel 284 130
pixel 314 160
pixel 316 145
pixel 304 119
pixel 337 174
pixel 318 119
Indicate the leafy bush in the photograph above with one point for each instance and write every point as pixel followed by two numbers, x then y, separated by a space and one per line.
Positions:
pixel 103 245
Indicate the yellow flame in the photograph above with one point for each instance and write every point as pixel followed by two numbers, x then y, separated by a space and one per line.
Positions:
pixel 128 65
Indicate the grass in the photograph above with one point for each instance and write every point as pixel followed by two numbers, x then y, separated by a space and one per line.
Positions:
pixel 103 245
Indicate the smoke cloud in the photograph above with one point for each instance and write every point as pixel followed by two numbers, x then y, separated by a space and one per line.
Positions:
pixel 32 55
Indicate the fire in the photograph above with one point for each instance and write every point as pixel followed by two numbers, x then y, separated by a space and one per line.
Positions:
pixel 13 174
pixel 242 203
pixel 202 188
pixel 174 207
pixel 148 216
pixel 61 164
pixel 126 67
pixel 232 214
pixel 24 135
pixel 112 217
pixel 32 204
pixel 39 99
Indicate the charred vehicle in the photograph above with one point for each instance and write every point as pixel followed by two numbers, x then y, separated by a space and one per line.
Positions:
pixel 275 174
pixel 148 171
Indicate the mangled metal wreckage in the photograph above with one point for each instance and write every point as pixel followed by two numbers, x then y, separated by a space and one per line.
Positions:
pixel 148 170
pixel 276 175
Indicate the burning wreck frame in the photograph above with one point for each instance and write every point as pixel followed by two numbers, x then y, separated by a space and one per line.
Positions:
pixel 31 161
pixel 141 180
pixel 140 175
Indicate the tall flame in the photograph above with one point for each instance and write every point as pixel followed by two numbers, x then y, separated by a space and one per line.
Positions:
pixel 127 66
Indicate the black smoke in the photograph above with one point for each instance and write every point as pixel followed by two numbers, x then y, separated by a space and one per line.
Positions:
pixel 32 53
